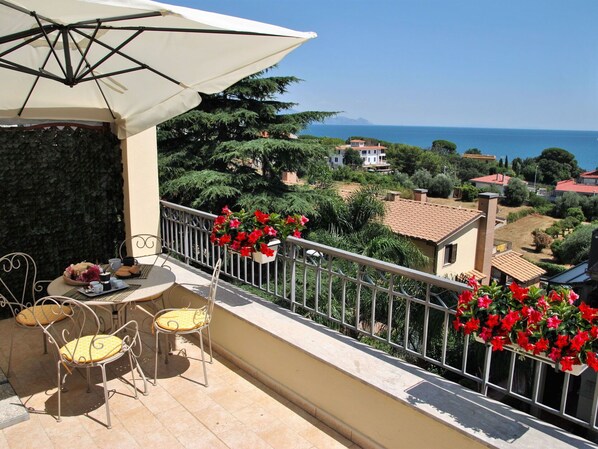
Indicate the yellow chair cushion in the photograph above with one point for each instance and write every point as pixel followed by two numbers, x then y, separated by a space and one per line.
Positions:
pixel 46 314
pixel 182 319
pixel 91 348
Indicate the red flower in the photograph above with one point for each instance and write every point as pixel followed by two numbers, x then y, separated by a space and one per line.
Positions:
pixel 573 296
pixel 498 343
pixel 226 210
pixel 484 302
pixel 254 236
pixel 592 360
pixel 541 346
pixel 465 296
pixel 562 341
pixel 235 223
pixel 471 326
pixel 587 312
pixel 303 220
pixel 579 340
pixel 265 250
pixel 523 340
pixel 567 363
pixel 236 245
pixel 492 320
pixel 290 220
pixel 457 324
pixel 262 217
pixel 519 293
pixel 241 236
pixel 553 322
pixel 221 219
pixel 296 233
pixel 269 230
pixel 594 332
pixel 555 354
pixel 486 333
pixel 510 320
pixel 226 238
pixel 555 297
pixel 246 251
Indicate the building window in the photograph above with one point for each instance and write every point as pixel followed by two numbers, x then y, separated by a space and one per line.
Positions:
pixel 450 254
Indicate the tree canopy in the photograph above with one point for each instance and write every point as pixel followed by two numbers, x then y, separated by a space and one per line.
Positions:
pixel 233 148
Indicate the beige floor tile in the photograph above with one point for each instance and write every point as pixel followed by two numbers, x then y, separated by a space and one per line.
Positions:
pixel 232 400
pixel 188 430
pixel 27 435
pixel 159 400
pixel 218 419
pixel 242 438
pixel 3 442
pixel 324 437
pixel 280 436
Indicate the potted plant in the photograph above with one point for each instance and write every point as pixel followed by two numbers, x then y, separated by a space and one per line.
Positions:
pixel 255 234
pixel 531 321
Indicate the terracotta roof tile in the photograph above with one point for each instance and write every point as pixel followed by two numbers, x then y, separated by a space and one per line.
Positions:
pixel 498 179
pixel 513 264
pixel 478 275
pixel 571 186
pixel 427 221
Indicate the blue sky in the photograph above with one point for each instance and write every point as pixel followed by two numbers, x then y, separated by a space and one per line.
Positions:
pixel 480 63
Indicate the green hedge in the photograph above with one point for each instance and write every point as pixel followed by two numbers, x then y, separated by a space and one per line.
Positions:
pixel 62 195
pixel 552 269
pixel 514 216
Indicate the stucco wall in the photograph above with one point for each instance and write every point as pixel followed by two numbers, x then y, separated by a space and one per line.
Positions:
pixel 466 247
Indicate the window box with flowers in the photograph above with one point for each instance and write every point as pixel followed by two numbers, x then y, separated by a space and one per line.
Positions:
pixel 545 326
pixel 255 234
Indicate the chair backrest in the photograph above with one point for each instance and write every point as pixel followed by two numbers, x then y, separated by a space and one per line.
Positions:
pixel 146 244
pixel 81 321
pixel 213 287
pixel 18 281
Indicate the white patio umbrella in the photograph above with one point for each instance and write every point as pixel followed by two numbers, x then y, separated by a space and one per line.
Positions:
pixel 134 63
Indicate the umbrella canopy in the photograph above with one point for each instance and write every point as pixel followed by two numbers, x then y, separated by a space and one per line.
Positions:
pixel 134 63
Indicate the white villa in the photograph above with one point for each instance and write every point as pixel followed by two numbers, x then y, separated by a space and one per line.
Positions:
pixel 373 156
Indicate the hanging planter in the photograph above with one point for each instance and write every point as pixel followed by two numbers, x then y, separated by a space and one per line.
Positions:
pixel 546 326
pixel 255 234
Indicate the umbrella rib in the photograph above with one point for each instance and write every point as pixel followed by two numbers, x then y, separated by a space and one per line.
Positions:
pixel 21 68
pixel 84 60
pixel 36 81
pixel 130 58
pixel 24 34
pixel 50 44
pixel 118 18
pixel 112 52
pixel 22 44
pixel 84 54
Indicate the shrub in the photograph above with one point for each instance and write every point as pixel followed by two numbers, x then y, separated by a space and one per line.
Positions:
pixel 469 193
pixel 441 186
pixel 537 201
pixel 577 214
pixel 541 240
pixel 568 200
pixel 422 179
pixel 555 229
pixel 516 192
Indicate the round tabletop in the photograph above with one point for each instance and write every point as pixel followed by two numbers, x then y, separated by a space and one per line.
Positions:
pixel 158 281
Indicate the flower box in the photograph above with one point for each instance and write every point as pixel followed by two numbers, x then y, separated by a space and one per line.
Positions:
pixel 550 326
pixel 256 234
pixel 576 370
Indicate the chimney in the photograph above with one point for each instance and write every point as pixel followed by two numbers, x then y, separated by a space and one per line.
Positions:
pixel 420 195
pixel 392 195
pixel 487 203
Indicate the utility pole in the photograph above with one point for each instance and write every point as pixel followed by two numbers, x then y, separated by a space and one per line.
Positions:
pixel 535 175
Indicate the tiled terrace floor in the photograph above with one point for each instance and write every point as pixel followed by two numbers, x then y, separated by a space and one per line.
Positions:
pixel 235 411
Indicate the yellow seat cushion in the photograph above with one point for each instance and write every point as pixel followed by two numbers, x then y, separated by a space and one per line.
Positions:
pixel 91 348
pixel 46 314
pixel 182 319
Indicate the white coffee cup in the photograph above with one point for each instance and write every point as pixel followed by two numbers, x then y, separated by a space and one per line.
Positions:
pixel 115 263
pixel 96 286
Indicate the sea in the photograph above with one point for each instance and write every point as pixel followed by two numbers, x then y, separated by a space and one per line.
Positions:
pixel 500 142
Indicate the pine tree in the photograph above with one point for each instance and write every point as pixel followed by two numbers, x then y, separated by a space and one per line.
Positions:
pixel 233 148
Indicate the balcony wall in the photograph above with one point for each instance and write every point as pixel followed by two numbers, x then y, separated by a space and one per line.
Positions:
pixel 372 398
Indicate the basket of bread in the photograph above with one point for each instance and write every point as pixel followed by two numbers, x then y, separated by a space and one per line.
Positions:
pixel 128 271
pixel 81 273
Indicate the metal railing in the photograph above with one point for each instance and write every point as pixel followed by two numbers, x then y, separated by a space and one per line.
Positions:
pixel 406 312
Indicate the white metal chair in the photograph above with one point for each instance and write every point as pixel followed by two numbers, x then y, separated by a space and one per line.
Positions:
pixel 18 289
pixel 147 245
pixel 187 321
pixel 79 343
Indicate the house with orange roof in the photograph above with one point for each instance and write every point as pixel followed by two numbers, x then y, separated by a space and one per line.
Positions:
pixel 585 184
pixel 373 156
pixel 458 241
pixel 498 181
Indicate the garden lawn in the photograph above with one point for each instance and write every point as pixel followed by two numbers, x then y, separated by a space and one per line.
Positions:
pixel 519 233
